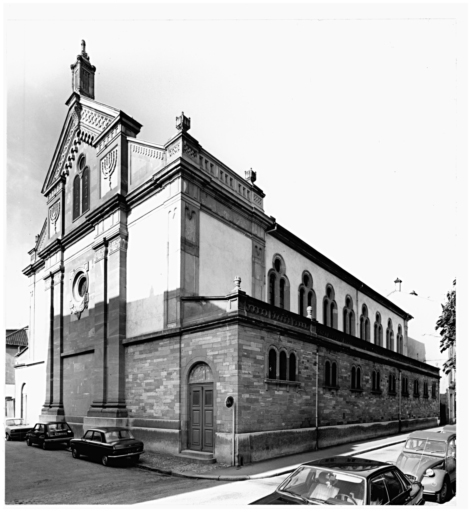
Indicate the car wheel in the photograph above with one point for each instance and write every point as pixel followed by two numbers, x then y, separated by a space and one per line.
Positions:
pixel 75 453
pixel 7 436
pixel 444 491
pixel 105 460
pixel 44 445
pixel 28 442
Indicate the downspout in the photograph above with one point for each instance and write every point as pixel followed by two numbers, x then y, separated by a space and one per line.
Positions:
pixel 317 399
pixel 400 393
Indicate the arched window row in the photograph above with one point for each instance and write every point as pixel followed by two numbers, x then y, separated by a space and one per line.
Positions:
pixel 378 331
pixel 390 336
pixel 405 386
pixel 330 374
pixel 348 316
pixel 281 365
pixel 329 307
pixel 364 324
pixel 306 295
pixel 278 284
pixel 81 190
pixel 400 341
pixel 355 378
pixel 375 381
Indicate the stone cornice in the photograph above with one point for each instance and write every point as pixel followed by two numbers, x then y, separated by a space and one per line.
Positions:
pixel 288 238
pixel 52 248
pixel 116 202
pixel 33 268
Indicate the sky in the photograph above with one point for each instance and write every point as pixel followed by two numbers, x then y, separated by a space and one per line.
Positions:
pixel 353 117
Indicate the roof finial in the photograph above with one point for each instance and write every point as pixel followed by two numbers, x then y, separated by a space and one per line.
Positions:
pixel 84 53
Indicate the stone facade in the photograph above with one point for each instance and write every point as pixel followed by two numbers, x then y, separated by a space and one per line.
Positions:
pixel 131 278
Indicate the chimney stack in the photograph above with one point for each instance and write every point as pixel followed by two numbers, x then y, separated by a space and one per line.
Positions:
pixel 398 283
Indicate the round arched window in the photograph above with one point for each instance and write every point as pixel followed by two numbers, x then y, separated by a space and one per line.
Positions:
pixel 200 373
pixel 80 287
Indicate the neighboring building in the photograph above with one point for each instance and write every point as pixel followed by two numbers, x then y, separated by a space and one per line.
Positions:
pixel 416 349
pixel 132 310
pixel 16 342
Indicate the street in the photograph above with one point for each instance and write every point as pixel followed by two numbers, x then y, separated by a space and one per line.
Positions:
pixel 34 476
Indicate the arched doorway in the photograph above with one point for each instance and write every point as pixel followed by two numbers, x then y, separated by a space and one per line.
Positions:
pixel 201 400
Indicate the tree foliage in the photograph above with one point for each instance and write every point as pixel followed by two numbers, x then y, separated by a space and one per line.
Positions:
pixel 446 323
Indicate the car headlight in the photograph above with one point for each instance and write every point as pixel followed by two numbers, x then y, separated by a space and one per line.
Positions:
pixel 429 472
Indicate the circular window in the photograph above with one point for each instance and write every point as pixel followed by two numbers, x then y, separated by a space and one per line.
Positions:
pixel 80 287
pixel 81 163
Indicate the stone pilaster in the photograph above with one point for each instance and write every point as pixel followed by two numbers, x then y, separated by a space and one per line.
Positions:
pixel 258 269
pixel 54 381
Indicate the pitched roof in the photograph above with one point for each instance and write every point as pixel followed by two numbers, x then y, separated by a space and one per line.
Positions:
pixel 18 338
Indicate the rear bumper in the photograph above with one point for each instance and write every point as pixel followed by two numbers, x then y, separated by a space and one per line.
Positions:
pixel 128 455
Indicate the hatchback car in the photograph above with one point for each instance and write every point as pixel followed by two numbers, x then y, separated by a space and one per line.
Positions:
pixel 16 428
pixel 108 444
pixel 346 480
pixel 50 433
pixel 431 458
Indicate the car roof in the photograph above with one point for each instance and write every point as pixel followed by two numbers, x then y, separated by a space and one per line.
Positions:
pixel 107 429
pixel 356 465
pixel 449 428
pixel 435 436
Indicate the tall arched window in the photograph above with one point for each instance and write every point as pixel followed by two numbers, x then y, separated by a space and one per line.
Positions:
pixel 272 364
pixel 355 377
pixel 330 307
pixel 375 381
pixel 400 341
pixel 306 295
pixel 330 374
pixel 348 316
pixel 390 336
pixel 283 366
pixel 292 366
pixel 272 289
pixel 392 384
pixel 278 290
pixel 364 324
pixel 378 338
pixel 81 189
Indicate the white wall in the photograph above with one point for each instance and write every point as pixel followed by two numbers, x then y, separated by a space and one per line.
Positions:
pixel 225 253
pixel 296 264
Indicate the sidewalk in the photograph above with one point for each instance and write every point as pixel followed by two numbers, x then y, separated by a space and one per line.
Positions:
pixel 178 466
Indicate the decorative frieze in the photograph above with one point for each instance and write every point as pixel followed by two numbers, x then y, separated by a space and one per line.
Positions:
pixel 189 150
pixel 111 135
pixel 94 119
pixel 146 151
pixel 173 150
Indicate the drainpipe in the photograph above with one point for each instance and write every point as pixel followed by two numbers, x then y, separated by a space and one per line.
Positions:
pixel 400 393
pixel 317 399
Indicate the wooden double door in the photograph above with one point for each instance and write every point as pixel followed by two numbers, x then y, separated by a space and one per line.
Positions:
pixel 201 417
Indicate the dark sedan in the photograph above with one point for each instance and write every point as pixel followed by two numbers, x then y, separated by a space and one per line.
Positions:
pixel 108 444
pixel 50 433
pixel 346 481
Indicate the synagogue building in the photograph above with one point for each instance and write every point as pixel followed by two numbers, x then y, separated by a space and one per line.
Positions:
pixel 160 287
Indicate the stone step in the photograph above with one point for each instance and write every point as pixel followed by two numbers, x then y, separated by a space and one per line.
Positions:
pixel 201 457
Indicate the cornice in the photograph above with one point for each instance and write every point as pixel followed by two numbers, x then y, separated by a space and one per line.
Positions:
pixel 115 203
pixel 33 268
pixel 53 247
pixel 121 118
pixel 79 232
pixel 288 238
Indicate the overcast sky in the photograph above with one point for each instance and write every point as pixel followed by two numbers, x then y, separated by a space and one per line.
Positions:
pixel 353 118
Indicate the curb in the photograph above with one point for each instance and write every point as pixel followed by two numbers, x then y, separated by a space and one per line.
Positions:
pixel 267 474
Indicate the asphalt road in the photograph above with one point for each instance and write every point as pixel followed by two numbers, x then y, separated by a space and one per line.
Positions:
pixel 35 476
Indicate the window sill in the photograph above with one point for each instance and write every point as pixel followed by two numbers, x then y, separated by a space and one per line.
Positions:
pixel 405 395
pixel 356 390
pixel 331 387
pixel 376 392
pixel 415 395
pixel 392 393
pixel 278 382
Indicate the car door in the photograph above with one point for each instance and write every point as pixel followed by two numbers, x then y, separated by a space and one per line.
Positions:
pixel 84 445
pixel 97 446
pixel 39 433
pixel 398 494
pixel 378 492
pixel 450 459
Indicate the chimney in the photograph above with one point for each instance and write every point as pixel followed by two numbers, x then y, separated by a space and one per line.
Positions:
pixel 398 283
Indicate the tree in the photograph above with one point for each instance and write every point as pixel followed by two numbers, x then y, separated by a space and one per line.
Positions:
pixel 447 325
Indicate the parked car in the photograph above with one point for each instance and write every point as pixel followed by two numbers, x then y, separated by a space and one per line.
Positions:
pixel 49 433
pixel 430 457
pixel 449 428
pixel 16 428
pixel 346 480
pixel 108 444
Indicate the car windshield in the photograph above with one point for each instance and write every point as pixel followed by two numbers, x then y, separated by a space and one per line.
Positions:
pixel 15 422
pixel 115 435
pixel 317 485
pixel 426 446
